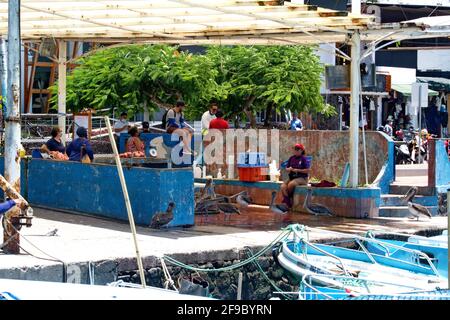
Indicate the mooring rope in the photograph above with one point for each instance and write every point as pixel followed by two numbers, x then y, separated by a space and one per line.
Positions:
pixel 284 234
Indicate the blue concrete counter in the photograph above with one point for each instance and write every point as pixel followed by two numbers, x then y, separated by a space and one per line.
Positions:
pixel 95 189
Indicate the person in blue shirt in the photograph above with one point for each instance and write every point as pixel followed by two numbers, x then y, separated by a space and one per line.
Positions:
pixel 74 150
pixel 8 204
pixel 176 124
pixel 295 123
pixel 55 143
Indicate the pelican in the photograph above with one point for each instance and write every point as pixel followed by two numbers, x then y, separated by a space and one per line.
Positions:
pixel 278 208
pixel 161 219
pixel 418 210
pixel 409 196
pixel 228 208
pixel 244 200
pixel 315 208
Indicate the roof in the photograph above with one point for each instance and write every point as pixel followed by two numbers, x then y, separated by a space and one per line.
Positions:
pixel 405 89
pixel 439 84
pixel 438 3
pixel 176 20
pixel 191 22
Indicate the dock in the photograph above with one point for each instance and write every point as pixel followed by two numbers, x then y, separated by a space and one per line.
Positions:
pixel 81 240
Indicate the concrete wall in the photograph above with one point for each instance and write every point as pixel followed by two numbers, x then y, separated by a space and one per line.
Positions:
pixel 440 167
pixel 329 149
pixel 95 189
pixel 344 202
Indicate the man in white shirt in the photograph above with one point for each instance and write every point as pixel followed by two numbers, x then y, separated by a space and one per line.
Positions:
pixel 208 116
pixel 121 126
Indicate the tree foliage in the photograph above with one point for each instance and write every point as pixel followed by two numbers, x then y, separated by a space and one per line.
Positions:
pixel 127 77
pixel 243 79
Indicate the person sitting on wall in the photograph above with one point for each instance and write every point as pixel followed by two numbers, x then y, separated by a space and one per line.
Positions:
pixel 134 144
pixel 80 147
pixel 55 143
pixel 298 168
pixel 145 127
pixel 175 124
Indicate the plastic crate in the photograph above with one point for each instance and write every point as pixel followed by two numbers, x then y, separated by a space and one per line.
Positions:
pixel 252 173
pixel 252 159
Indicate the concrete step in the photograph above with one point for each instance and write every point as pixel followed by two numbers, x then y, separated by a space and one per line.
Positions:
pixel 411 170
pixel 402 211
pixel 403 189
pixel 389 200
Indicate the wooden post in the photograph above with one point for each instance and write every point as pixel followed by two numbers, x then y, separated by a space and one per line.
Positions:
pixel 127 199
pixel 62 57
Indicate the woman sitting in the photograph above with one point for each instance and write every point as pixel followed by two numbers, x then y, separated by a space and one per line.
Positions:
pixel 134 144
pixel 55 143
pixel 80 147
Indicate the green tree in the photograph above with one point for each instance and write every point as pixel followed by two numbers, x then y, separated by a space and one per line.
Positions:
pixel 128 77
pixel 269 78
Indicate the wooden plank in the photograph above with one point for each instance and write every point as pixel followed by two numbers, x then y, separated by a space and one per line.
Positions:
pixel 30 83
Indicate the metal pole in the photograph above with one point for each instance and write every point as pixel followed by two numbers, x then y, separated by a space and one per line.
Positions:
pixel 354 109
pixel 4 70
pixel 12 132
pixel 62 57
pixel 420 126
pixel 127 200
pixel 356 8
pixel 340 112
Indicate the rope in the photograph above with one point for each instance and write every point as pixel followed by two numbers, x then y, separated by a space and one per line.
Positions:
pixel 261 271
pixel 52 258
pixel 169 281
pixel 285 233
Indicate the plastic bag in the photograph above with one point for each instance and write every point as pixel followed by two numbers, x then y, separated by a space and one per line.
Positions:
pixel 196 287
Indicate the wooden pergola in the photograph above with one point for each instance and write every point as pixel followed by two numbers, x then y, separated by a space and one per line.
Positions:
pixel 227 22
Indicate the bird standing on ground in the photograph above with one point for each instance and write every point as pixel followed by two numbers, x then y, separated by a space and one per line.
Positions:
pixel 418 210
pixel 244 200
pixel 409 196
pixel 228 208
pixel 277 208
pixel 315 208
pixel 161 219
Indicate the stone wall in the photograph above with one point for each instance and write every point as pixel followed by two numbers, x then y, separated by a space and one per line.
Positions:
pixel 329 149
pixel 223 285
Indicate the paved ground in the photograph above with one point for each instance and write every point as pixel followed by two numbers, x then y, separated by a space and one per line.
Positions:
pixel 83 238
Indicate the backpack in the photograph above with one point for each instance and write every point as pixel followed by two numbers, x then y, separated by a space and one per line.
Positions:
pixel 164 119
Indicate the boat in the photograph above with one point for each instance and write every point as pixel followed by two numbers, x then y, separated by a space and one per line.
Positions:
pixel 11 289
pixel 436 248
pixel 322 261
pixel 347 288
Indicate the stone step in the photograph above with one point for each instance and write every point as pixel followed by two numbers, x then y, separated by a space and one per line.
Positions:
pixel 403 189
pixel 402 211
pixel 388 200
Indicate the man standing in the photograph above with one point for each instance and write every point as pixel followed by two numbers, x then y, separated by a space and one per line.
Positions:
pixel 208 116
pixel 121 126
pixel 388 128
pixel 219 122
pixel 295 123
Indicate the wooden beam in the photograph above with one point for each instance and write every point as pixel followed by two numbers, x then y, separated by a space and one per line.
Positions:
pixel 30 83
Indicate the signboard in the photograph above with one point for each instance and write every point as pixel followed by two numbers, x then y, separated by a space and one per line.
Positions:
pixel 82 120
pixel 337 77
pixel 419 95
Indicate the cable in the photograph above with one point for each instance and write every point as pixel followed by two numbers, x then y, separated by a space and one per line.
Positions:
pixel 52 258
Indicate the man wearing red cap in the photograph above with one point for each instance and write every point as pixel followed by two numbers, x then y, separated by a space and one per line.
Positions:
pixel 298 167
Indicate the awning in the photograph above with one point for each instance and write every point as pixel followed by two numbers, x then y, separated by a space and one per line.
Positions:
pixel 405 89
pixel 438 84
